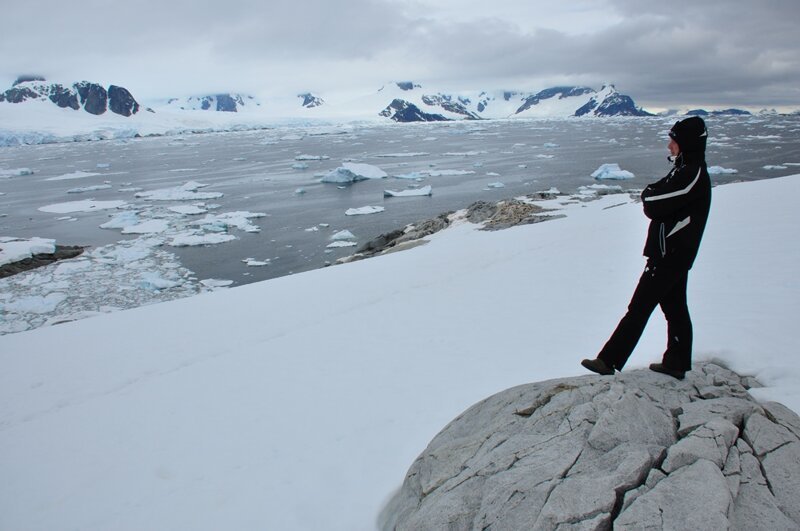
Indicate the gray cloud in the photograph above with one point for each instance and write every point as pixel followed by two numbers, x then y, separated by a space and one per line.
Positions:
pixel 662 53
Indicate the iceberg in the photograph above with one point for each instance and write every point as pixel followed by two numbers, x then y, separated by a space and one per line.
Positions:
pixel 343 235
pixel 185 192
pixel 719 170
pixel 611 171
pixel 88 205
pixel 18 172
pixel 351 172
pixel 364 210
pixel 424 191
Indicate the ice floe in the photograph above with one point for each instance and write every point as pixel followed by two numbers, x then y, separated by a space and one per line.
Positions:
pixel 73 175
pixel 311 157
pixel 424 191
pixel 719 170
pixel 83 189
pixel 343 235
pixel 17 172
pixel 151 226
pixel 342 243
pixel 611 171
pixel 188 209
pixel 775 167
pixel 186 192
pixel 87 205
pixel 351 172
pixel 364 210
pixel 193 239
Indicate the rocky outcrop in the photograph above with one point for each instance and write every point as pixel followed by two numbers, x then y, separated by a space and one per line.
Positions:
pixel 310 100
pixel 609 102
pixel 452 104
pixel 94 98
pixel 62 252
pixel 546 94
pixel 121 101
pixel 403 111
pixel 638 450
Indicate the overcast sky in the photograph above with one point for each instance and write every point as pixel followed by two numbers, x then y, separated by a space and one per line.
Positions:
pixel 664 53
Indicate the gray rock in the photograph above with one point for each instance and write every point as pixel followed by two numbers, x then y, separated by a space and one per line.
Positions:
pixel 94 98
pixel 633 451
pixel 120 101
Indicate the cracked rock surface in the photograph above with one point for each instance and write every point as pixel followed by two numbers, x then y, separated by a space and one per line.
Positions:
pixel 639 450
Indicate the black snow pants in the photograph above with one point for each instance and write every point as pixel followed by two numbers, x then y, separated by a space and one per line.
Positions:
pixel 662 285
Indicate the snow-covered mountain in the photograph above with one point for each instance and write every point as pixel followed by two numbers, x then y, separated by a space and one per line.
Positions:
pixel 410 102
pixel 226 102
pixel 91 97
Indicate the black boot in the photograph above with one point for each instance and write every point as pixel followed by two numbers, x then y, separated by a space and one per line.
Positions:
pixel 675 373
pixel 599 366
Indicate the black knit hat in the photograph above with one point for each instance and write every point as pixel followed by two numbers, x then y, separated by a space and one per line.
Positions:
pixel 690 134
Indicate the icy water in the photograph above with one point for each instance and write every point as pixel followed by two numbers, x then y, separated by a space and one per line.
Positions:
pixel 254 172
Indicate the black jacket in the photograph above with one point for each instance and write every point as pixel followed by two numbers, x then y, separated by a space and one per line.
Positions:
pixel 678 207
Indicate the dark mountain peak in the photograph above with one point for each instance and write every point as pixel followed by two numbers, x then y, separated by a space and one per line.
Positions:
pixel 310 100
pixel 26 78
pixel 407 85
pixel 403 111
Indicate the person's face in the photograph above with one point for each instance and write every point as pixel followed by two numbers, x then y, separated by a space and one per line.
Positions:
pixel 674 148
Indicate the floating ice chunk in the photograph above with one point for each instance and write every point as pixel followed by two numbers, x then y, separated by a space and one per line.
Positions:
pixel 37 304
pixel 541 156
pixel 103 165
pixel 350 172
pixel 447 173
pixel 311 157
pixel 413 176
pixel 216 283
pixel 550 145
pixel 154 281
pixel 71 266
pixel 336 245
pixel 493 174
pixel 188 209
pixel 252 262
pixel 17 172
pixel 88 188
pixel 151 226
pixel 300 191
pixel 300 166
pixel 121 220
pixel 131 189
pixel 402 155
pixel 312 229
pixel 496 185
pixel 611 171
pixel 88 205
pixel 464 153
pixel 343 235
pixel 181 170
pixel 719 170
pixel 16 249
pixel 73 175
pixel 424 191
pixel 185 192
pixel 222 222
pixel 364 210
pixel 775 167
pixel 191 239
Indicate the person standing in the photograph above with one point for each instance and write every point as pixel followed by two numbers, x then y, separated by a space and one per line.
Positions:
pixel 678 207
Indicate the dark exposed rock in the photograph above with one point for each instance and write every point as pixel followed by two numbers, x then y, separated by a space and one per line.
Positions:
pixel 120 101
pixel 228 103
pixel 561 92
pixel 403 111
pixel 407 85
pixel 20 94
pixel 64 97
pixel 94 98
pixel 446 102
pixel 310 101
pixel 62 252
pixel 615 104
pixel 609 452
pixel 25 78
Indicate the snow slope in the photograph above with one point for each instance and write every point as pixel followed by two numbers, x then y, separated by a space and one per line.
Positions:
pixel 299 403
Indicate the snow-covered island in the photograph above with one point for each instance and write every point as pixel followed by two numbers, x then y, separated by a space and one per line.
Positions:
pixel 300 402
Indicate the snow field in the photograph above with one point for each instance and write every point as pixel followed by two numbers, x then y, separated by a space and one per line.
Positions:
pixel 301 401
